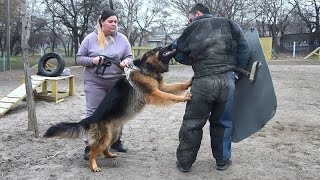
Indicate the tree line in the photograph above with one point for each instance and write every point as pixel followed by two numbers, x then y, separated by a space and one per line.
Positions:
pixel 65 23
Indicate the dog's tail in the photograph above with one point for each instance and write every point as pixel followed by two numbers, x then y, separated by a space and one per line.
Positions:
pixel 65 130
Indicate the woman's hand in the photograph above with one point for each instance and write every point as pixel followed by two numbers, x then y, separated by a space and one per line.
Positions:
pixel 124 63
pixel 95 60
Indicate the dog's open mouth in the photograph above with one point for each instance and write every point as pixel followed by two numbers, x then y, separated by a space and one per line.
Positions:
pixel 170 52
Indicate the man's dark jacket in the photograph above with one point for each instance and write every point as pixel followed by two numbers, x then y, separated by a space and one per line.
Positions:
pixel 213 45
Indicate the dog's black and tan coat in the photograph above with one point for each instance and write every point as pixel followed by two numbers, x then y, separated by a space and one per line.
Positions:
pixel 143 85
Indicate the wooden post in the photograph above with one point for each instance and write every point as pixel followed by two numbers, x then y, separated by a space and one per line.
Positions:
pixel 8 53
pixel 71 86
pixel 54 89
pixel 45 87
pixel 25 34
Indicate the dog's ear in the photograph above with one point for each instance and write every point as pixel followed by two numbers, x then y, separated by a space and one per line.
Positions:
pixel 137 62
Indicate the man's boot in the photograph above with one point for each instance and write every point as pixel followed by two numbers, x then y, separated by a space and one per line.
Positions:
pixel 86 153
pixel 225 165
pixel 118 146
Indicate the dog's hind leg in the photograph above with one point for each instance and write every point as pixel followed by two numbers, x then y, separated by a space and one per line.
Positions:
pixel 94 151
pixel 108 154
pixel 107 140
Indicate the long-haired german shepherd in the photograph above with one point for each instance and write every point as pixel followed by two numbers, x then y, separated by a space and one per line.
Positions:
pixel 143 85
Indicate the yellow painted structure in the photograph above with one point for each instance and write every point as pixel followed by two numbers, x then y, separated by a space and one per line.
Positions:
pixel 14 97
pixel 266 44
pixel 316 53
pixel 137 51
pixel 54 95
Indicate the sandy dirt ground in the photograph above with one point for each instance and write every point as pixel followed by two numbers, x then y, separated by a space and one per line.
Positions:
pixel 288 147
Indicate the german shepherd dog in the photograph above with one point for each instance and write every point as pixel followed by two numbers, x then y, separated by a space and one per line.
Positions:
pixel 143 85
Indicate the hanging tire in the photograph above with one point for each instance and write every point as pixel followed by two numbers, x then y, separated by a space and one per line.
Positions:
pixel 42 70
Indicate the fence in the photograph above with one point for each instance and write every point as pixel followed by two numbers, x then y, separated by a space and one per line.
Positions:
pixel 138 51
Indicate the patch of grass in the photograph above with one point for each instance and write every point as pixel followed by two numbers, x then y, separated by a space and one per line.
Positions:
pixel 17 61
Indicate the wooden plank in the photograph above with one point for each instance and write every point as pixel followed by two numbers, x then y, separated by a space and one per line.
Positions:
pixel 37 82
pixel 34 81
pixel 38 77
pixel 6 105
pixel 9 100
pixel 19 92
pixel 35 86
pixel 312 53
pixel 3 110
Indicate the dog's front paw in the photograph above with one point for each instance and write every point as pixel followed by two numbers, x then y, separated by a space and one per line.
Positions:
pixel 96 169
pixel 188 83
pixel 187 96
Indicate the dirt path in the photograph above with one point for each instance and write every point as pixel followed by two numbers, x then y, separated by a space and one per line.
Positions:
pixel 288 147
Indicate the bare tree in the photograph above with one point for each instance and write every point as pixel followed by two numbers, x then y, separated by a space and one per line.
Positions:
pixel 15 24
pixel 75 15
pixel 273 18
pixel 169 27
pixel 221 8
pixel 138 16
pixel 38 33
pixel 127 20
pixel 26 23
pixel 148 17
pixel 182 6
pixel 309 11
pixel 111 4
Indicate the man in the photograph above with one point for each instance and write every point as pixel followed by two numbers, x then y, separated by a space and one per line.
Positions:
pixel 214 47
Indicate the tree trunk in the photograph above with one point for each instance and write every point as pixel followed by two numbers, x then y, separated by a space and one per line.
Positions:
pixel 68 48
pixel 8 34
pixel 75 43
pixel 111 4
pixel 65 48
pixel 54 35
pixel 311 41
pixel 26 26
pixel 71 48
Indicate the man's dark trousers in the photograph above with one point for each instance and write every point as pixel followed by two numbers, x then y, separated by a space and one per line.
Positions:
pixel 212 98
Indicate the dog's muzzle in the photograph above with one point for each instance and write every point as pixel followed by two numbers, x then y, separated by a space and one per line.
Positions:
pixel 166 54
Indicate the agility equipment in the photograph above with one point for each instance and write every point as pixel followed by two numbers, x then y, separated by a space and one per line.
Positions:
pixel 314 53
pixel 42 65
pixel 12 99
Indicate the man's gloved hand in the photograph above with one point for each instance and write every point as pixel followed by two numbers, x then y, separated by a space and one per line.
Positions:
pixel 174 44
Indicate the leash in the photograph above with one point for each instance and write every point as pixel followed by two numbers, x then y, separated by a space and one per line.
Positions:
pixel 104 62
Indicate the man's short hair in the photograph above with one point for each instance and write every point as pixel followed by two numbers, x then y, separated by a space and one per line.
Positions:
pixel 200 7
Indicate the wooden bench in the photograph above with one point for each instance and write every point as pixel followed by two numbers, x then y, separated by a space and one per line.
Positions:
pixel 54 94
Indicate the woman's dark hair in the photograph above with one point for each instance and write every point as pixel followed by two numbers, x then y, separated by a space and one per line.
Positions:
pixel 199 7
pixel 107 13
pixel 101 36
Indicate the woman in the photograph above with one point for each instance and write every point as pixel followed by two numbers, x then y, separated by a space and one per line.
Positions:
pixel 103 41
